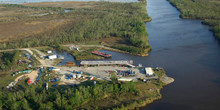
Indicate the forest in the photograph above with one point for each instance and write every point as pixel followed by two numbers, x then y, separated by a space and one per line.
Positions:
pixel 206 10
pixel 8 60
pixel 85 96
pixel 106 19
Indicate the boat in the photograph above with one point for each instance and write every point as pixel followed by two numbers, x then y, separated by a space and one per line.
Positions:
pixel 101 54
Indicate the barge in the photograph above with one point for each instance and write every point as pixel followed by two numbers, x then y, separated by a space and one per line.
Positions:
pixel 101 54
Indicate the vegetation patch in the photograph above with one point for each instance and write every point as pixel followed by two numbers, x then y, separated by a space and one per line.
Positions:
pixel 11 62
pixel 134 50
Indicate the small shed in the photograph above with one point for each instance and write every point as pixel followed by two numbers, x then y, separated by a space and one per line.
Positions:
pixel 52 56
pixel 149 71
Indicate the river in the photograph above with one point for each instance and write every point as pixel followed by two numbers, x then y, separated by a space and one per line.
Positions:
pixel 189 52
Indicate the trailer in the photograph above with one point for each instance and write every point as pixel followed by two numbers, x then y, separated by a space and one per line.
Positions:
pixel 49 51
pixel 29 81
pixel 52 57
pixel 54 85
pixel 125 79
pixel 50 68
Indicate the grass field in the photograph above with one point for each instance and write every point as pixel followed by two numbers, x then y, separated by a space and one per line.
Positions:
pixel 47 24
pixel 18 22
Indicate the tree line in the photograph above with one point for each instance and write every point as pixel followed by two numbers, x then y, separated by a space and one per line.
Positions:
pixel 206 10
pixel 68 98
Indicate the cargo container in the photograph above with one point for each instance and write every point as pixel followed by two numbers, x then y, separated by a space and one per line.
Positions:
pixel 125 79
pixel 54 85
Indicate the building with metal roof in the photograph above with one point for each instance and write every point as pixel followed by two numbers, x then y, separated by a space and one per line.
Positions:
pixel 149 71
pixel 106 63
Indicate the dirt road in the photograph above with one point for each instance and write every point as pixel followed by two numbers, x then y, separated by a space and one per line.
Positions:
pixel 100 46
pixel 33 75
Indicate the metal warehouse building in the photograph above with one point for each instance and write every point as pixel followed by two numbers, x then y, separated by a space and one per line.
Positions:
pixel 107 63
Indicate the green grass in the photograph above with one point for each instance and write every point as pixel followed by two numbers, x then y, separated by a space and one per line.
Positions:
pixel 97 42
pixel 133 50
pixel 159 72
pixel 5 79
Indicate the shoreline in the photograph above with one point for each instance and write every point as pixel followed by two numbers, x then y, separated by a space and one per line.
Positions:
pixel 213 27
pixel 146 101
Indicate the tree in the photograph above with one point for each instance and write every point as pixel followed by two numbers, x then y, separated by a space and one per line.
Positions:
pixel 113 77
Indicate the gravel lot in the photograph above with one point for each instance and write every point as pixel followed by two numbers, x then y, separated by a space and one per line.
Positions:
pixel 101 71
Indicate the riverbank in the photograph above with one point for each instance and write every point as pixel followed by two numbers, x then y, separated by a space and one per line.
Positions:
pixel 143 102
pixel 206 10
pixel 84 52
pixel 148 92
